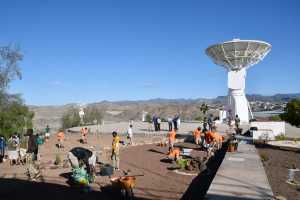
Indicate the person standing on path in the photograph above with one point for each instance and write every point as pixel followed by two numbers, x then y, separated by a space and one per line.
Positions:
pixel 197 135
pixel 47 132
pixel 175 123
pixel 237 121
pixel 31 155
pixel 158 123
pixel 130 134
pixel 210 122
pixel 170 123
pixel 115 151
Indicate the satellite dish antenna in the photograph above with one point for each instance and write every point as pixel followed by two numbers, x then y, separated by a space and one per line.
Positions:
pixel 236 56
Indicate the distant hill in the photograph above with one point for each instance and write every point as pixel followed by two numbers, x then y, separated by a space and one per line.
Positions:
pixel 126 110
pixel 263 98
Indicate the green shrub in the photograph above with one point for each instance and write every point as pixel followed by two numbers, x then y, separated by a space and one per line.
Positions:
pixel 148 118
pixel 280 137
pixel 264 157
pixel 292 112
pixel 275 118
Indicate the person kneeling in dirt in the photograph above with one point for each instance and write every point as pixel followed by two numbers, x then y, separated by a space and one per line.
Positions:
pixel 212 140
pixel 79 156
pixel 174 154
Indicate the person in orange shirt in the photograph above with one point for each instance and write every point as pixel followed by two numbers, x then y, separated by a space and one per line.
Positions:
pixel 174 154
pixel 171 138
pixel 197 135
pixel 214 138
pixel 60 139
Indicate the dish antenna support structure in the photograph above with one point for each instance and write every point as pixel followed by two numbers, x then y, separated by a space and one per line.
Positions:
pixel 237 56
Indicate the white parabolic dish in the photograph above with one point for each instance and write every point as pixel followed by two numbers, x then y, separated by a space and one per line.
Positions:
pixel 237 54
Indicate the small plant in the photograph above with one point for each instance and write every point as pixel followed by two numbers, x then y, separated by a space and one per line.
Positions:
pixel 57 159
pixel 280 137
pixel 264 157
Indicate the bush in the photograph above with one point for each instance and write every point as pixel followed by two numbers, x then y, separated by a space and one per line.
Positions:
pixel 199 118
pixel 71 117
pixel 264 157
pixel 280 137
pixel 92 113
pixel 275 118
pixel 148 118
pixel 292 112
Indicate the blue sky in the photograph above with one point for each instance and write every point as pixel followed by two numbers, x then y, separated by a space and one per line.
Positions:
pixel 87 51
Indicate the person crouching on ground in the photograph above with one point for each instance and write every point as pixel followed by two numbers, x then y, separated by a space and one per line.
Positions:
pixel 80 156
pixel 115 151
pixel 31 155
pixel 197 135
pixel 130 134
pixel 60 139
pixel 171 138
pixel 174 154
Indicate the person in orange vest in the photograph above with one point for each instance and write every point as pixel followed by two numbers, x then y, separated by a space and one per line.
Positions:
pixel 197 135
pixel 214 138
pixel 174 154
pixel 60 139
pixel 171 138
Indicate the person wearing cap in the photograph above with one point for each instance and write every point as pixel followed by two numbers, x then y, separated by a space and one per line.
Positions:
pixel 197 135
pixel 115 151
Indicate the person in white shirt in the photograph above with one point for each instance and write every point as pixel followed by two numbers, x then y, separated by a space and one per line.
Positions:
pixel 130 134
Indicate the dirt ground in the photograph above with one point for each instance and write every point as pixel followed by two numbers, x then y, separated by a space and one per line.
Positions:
pixel 158 181
pixel 276 166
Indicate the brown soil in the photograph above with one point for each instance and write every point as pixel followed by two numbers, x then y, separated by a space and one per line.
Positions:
pixel 276 167
pixel 158 181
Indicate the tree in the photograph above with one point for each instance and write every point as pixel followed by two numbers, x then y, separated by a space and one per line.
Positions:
pixel 71 117
pixel 14 114
pixel 204 108
pixel 292 112
pixel 148 118
pixel 10 56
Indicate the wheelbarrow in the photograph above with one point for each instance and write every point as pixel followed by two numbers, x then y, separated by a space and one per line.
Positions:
pixel 125 184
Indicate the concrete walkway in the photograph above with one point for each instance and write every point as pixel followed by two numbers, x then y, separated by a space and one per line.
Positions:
pixel 241 176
